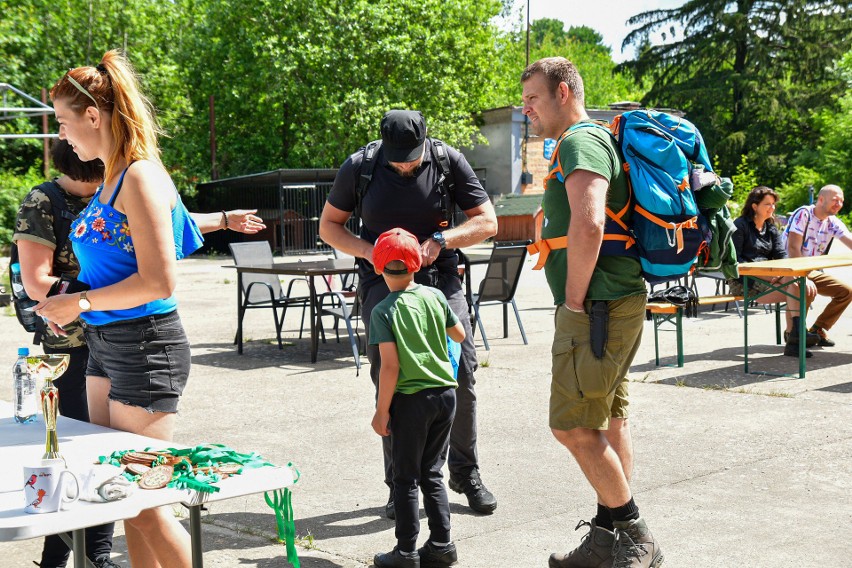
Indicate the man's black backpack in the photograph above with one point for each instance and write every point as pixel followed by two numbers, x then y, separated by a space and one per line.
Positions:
pixel 62 219
pixel 446 183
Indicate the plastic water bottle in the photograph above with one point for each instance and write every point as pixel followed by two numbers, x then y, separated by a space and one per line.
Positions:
pixel 28 318
pixel 26 397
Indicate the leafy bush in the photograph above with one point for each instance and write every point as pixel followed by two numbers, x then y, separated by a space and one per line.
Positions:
pixel 13 188
pixel 793 193
pixel 744 180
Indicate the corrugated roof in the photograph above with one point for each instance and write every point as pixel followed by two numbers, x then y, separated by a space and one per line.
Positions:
pixel 509 205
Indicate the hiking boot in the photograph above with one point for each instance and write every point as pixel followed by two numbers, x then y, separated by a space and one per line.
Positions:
pixel 479 498
pixel 432 556
pixel 824 341
pixel 634 546
pixel 793 337
pixel 390 512
pixel 104 561
pixel 595 550
pixel 792 350
pixel 397 559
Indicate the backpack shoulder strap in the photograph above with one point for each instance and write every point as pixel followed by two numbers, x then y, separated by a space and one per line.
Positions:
pixel 62 217
pixel 447 182
pixel 368 164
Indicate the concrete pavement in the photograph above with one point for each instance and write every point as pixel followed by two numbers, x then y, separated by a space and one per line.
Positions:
pixel 731 469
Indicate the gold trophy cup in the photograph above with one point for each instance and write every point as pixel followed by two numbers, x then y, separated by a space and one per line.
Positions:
pixel 49 368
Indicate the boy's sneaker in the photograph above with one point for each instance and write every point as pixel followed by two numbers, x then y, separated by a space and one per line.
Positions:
pixel 479 497
pixel 811 338
pixel 432 556
pixel 397 559
pixel 635 546
pixel 595 550
pixel 104 561
pixel 824 341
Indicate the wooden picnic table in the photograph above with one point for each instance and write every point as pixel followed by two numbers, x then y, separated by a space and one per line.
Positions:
pixel 795 268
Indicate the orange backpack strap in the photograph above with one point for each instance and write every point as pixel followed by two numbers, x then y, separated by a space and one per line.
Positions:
pixel 543 248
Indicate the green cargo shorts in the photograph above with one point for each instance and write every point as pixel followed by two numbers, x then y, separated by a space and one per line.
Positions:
pixel 585 392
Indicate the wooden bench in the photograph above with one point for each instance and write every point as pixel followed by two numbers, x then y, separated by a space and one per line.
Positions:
pixel 666 312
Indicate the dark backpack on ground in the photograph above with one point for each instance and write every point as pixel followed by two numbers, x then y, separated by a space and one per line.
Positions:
pixel 446 184
pixel 62 219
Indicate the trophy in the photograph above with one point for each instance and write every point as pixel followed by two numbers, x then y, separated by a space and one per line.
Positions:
pixel 49 367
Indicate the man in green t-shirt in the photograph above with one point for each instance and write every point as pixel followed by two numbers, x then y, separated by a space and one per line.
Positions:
pixel 416 400
pixel 599 315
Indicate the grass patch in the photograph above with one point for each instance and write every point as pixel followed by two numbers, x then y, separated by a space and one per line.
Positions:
pixel 306 541
pixel 775 393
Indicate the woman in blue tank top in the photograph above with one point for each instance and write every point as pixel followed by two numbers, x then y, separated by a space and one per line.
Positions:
pixel 127 241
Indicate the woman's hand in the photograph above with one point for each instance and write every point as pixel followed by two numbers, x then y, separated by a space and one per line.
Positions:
pixel 60 310
pixel 245 221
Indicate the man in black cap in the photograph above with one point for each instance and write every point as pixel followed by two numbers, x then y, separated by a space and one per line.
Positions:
pixel 408 189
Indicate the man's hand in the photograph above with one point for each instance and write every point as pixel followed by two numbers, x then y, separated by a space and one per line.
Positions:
pixel 380 423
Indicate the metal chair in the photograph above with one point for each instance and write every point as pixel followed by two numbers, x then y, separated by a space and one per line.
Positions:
pixel 500 283
pixel 264 290
pixel 343 305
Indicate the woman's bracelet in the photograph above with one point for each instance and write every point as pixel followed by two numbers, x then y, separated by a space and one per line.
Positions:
pixel 225 219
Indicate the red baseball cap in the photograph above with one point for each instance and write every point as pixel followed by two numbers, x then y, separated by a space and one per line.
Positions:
pixel 397 244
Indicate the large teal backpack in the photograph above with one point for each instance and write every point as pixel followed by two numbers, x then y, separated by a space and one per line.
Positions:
pixel 663 231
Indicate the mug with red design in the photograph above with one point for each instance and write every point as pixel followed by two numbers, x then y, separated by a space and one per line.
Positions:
pixel 46 487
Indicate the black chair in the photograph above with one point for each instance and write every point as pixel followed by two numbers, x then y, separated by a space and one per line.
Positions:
pixel 264 290
pixel 500 283
pixel 343 305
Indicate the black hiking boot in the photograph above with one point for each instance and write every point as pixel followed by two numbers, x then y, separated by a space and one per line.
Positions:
pixel 479 498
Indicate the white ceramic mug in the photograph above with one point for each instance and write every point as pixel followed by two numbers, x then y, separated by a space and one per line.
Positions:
pixel 46 487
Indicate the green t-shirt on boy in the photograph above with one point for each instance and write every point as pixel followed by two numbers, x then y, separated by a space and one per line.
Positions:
pixel 416 320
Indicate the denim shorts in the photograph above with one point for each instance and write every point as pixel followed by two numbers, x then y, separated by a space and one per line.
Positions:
pixel 146 359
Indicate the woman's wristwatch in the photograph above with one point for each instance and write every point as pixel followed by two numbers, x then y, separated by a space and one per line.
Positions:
pixel 84 303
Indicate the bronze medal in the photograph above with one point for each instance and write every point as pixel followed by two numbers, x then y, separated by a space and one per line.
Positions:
pixel 157 477
pixel 137 468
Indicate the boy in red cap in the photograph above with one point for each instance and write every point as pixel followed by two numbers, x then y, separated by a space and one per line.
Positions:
pixel 416 400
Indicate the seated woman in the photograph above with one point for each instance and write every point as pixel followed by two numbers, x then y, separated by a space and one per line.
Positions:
pixel 757 238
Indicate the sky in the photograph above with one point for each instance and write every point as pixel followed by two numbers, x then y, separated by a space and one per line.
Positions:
pixel 607 17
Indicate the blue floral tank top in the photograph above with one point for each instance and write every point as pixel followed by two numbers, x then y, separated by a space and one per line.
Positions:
pixel 103 245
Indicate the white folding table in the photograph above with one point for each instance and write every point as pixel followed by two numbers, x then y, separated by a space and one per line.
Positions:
pixel 81 444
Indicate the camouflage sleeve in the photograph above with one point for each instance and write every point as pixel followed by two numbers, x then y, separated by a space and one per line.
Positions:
pixel 35 220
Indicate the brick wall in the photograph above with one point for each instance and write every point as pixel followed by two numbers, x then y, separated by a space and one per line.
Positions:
pixel 536 165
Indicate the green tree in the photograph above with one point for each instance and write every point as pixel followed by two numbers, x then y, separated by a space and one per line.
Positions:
pixel 582 45
pixel 749 72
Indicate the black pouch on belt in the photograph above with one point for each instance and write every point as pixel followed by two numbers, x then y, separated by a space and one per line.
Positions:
pixel 599 324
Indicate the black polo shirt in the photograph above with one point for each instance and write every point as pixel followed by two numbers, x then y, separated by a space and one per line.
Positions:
pixel 413 203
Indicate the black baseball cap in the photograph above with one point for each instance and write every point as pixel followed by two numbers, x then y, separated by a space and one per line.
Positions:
pixel 403 135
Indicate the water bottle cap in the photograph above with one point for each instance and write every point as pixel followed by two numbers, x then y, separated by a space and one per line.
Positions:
pixel 23 351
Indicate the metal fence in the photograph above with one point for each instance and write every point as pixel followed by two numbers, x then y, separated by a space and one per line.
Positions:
pixel 290 203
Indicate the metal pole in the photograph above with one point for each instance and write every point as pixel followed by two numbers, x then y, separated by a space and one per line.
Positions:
pixel 526 119
pixel 44 130
pixel 213 173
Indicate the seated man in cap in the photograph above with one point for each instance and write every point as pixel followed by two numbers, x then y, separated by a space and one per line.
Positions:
pixel 410 328
pixel 407 187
